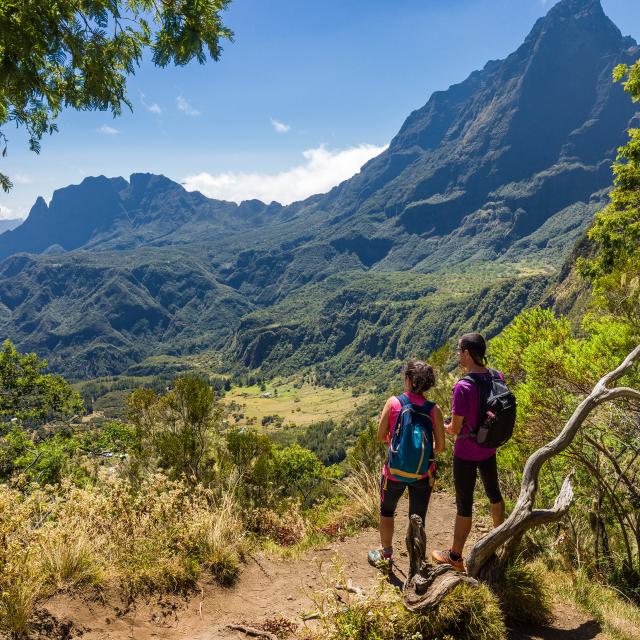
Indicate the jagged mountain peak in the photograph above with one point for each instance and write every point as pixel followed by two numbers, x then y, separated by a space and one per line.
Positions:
pixel 576 18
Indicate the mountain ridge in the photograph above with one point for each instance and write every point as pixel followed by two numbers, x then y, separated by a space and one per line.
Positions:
pixel 499 173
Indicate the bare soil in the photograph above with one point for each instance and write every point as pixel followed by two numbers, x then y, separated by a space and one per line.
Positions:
pixel 270 587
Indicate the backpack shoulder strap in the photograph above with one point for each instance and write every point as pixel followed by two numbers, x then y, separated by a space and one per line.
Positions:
pixel 403 398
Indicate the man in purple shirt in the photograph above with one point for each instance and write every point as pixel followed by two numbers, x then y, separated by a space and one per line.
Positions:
pixel 469 457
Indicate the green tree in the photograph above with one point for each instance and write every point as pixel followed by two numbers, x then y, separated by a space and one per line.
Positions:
pixel 615 269
pixel 179 428
pixel 29 394
pixel 296 472
pixel 550 368
pixel 79 53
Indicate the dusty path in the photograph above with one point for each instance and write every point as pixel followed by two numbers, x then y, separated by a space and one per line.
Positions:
pixel 271 586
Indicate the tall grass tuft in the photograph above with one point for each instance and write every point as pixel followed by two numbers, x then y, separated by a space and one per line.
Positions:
pixel 18 599
pixel 619 617
pixel 362 489
pixel 524 594
pixel 68 561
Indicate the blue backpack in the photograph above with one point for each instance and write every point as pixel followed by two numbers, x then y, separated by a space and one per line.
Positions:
pixel 411 448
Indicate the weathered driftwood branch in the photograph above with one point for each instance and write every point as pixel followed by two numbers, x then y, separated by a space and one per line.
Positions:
pixel 250 631
pixel 524 516
pixel 426 585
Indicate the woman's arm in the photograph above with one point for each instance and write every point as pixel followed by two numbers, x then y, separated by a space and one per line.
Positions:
pixel 454 427
pixel 383 425
pixel 438 430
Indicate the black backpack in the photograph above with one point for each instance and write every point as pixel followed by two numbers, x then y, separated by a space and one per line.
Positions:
pixel 497 410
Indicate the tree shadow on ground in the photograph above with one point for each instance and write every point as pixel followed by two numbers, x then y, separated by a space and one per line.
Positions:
pixel 586 631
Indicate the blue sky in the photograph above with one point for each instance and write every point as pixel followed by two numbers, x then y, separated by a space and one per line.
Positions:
pixel 306 93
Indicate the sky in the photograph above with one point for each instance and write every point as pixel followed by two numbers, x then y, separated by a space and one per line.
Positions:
pixel 305 94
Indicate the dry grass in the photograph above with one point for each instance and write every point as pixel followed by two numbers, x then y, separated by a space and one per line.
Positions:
pixel 68 560
pixel 301 406
pixel 17 602
pixel 160 537
pixel 362 489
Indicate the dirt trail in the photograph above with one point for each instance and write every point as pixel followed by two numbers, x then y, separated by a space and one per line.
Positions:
pixel 270 586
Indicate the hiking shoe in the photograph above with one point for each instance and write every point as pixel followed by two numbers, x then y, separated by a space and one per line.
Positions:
pixel 378 560
pixel 444 557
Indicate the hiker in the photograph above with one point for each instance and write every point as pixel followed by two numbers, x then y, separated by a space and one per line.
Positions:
pixel 413 429
pixel 469 457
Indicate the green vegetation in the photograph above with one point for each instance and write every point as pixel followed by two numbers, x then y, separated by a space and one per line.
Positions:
pixel 359 327
pixel 614 270
pixel 464 614
pixel 30 395
pixel 550 369
pixel 79 54
pixel 295 403
pixel 144 505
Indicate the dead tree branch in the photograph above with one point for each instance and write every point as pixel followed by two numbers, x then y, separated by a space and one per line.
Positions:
pixel 524 516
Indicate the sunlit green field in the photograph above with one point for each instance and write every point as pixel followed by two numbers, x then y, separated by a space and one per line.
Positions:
pixel 249 406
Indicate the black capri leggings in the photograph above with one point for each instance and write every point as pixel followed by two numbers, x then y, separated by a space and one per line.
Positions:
pixel 464 476
pixel 391 491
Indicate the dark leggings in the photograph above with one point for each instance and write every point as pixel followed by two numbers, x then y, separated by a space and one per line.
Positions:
pixel 392 490
pixel 464 476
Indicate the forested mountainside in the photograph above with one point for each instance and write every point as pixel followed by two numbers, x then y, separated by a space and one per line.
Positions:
pixel 479 197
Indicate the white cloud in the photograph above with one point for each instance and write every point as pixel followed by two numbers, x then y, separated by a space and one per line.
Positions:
pixel 185 107
pixel 322 170
pixel 107 130
pixel 280 127
pixel 6 213
pixel 21 178
pixel 154 107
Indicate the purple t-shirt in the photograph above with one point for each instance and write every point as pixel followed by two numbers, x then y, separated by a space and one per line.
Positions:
pixel 466 399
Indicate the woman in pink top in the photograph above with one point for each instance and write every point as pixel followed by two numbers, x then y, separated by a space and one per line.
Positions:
pixel 469 458
pixel 418 378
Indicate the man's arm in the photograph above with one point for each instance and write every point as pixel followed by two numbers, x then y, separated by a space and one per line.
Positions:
pixel 454 427
pixel 383 425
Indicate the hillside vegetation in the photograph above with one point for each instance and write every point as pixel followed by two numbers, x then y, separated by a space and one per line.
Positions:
pixel 485 189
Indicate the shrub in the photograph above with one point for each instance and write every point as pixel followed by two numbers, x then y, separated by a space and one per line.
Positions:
pixel 286 527
pixel 464 614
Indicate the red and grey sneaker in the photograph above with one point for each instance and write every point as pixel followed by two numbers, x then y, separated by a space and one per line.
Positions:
pixel 444 557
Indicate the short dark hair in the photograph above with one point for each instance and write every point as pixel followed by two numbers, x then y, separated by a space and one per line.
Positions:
pixel 420 374
pixel 475 344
